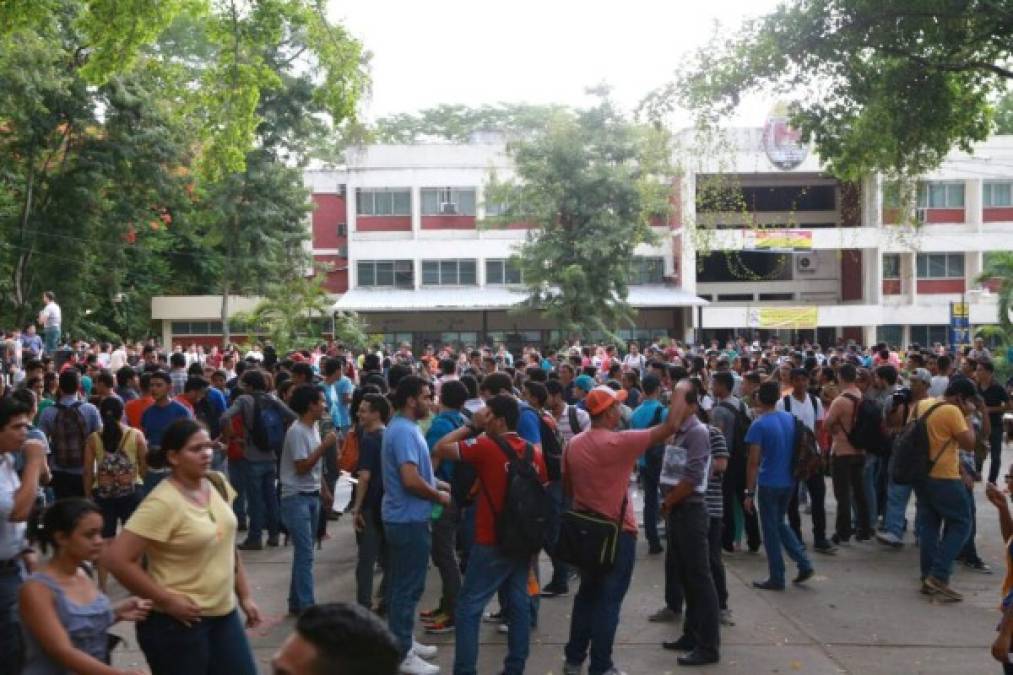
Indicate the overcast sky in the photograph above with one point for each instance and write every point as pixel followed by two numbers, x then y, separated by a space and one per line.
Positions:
pixel 545 51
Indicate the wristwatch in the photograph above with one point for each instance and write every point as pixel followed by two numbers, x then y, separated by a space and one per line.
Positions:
pixel 749 493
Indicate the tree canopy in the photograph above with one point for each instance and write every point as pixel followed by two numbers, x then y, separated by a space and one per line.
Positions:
pixel 877 85
pixel 589 183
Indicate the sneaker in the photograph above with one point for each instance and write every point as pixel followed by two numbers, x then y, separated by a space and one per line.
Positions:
pixel 494 617
pixel 250 546
pixel 943 589
pixel 441 626
pixel 613 671
pixel 503 628
pixel 838 540
pixel 442 617
pixel 551 591
pixel 273 541
pixel 726 618
pixel 803 576
pixel 572 668
pixel 889 539
pixel 665 615
pixel 423 651
pixel 429 614
pixel 978 565
pixel 414 665
pixel 655 549
pixel 824 547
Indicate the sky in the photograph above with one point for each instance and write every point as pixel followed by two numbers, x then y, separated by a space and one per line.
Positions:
pixel 475 52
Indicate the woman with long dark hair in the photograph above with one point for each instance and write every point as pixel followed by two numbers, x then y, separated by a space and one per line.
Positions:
pixel 187 531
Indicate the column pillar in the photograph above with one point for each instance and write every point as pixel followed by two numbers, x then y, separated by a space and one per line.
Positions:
pixel 973 202
pixel 416 211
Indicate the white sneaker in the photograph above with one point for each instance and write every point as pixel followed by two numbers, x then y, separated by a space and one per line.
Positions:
pixel 424 651
pixel 503 628
pixel 414 665
pixel 890 539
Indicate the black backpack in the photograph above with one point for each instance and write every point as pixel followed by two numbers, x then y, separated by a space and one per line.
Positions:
pixel 552 445
pixel 910 463
pixel 868 430
pixel 741 428
pixel 522 524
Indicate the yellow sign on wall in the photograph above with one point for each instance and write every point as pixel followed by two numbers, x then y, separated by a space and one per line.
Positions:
pixel 778 240
pixel 783 317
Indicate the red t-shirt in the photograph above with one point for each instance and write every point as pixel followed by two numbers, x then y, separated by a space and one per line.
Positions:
pixel 134 410
pixel 599 463
pixel 491 466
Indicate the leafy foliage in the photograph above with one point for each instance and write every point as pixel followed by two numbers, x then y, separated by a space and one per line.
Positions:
pixel 878 85
pixel 457 123
pixel 999 265
pixel 589 183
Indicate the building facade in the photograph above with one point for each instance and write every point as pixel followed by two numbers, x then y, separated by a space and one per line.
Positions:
pixel 761 241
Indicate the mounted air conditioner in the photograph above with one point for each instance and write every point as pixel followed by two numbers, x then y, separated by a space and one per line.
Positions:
pixel 806 263
pixel 448 208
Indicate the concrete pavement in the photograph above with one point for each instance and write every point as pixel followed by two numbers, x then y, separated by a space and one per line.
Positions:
pixel 861 613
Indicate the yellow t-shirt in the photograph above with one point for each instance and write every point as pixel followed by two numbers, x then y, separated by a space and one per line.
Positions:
pixel 192 549
pixel 943 426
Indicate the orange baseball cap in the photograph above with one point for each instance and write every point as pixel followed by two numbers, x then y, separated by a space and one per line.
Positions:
pixel 601 398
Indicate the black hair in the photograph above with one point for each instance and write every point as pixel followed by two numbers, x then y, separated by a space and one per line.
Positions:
pixel 70 381
pixel 357 396
pixel 725 379
pixel 124 375
pixel 888 374
pixel 453 394
pixel 506 408
pixel 328 367
pixel 174 439
pixel 303 370
pixel 104 377
pixel 63 515
pixel 371 362
pixel 255 380
pixel 177 360
pixel 768 393
pixel 847 373
pixel 378 403
pixel 553 387
pixel 494 383
pixel 160 375
pixel 961 387
pixel 798 372
pixel 537 391
pixel 26 395
pixel 111 410
pixel 470 382
pixel 195 369
pixel 349 640
pixel 195 383
pixel 987 365
pixel 943 362
pixel 408 387
pixel 303 397
pixel 448 366
pixel 650 384
pixel 677 373
pixel 536 374
pixel 377 380
pixel 398 372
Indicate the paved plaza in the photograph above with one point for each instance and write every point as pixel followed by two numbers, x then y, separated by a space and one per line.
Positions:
pixel 862 613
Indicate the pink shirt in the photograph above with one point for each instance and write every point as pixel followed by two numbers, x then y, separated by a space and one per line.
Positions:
pixel 599 463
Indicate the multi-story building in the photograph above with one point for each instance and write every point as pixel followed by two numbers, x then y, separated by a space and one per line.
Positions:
pixel 762 240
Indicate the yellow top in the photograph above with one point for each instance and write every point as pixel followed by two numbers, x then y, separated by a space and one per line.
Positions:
pixel 191 549
pixel 943 426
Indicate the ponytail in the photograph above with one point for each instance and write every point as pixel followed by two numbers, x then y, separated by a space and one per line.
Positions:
pixel 111 410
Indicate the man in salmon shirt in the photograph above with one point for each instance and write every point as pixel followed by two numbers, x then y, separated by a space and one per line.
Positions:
pixel 596 474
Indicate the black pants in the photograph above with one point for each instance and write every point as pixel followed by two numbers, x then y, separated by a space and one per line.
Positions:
pixel 733 490
pixel 687 532
pixel 66 484
pixel 849 489
pixel 714 533
pixel 817 487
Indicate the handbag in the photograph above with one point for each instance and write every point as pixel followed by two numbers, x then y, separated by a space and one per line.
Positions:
pixel 589 540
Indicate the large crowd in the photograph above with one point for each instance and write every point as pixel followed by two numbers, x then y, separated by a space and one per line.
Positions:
pixel 150 465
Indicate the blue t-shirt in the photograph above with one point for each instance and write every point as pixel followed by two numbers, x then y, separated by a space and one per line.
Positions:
pixel 157 418
pixel 339 410
pixel 404 443
pixel 644 415
pixel 442 425
pixel 528 425
pixel 774 432
pixel 217 399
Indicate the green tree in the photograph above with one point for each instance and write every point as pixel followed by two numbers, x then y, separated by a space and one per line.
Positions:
pixel 456 123
pixel 589 183
pixel 999 265
pixel 291 312
pixel 1004 115
pixel 878 85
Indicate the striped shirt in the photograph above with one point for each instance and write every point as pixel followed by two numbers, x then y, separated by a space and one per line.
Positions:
pixel 713 498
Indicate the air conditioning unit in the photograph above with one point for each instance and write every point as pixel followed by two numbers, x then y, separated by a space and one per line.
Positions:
pixel 448 208
pixel 806 263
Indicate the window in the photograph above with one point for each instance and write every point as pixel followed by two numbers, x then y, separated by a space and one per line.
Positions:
pixel 499 272
pixel 198 327
pixel 926 336
pixel 941 195
pixel 386 273
pixel 892 335
pixel 997 194
pixel 766 199
pixel 940 265
pixel 448 273
pixel 891 266
pixel 647 271
pixel 383 202
pixel 494 209
pixel 342 230
pixel 738 266
pixel 448 201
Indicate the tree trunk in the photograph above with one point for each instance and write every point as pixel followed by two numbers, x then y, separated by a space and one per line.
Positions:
pixel 226 337
pixel 24 257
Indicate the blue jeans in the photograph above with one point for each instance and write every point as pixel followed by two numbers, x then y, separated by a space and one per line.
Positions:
pixel 773 507
pixel 408 546
pixel 215 644
pixel 995 451
pixel 10 623
pixel 237 477
pixel 371 550
pixel 560 571
pixel 262 500
pixel 489 571
pixel 897 497
pixel 870 479
pixel 51 335
pixel 299 512
pixel 596 606
pixel 941 501
pixel 969 552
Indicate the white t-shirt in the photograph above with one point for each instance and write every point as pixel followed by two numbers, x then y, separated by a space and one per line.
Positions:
pixel 563 422
pixel 804 409
pixel 12 535
pixel 117 359
pixel 51 315
pixel 634 362
pixel 938 386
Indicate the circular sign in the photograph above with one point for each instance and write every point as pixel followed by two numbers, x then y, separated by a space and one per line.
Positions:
pixel 782 143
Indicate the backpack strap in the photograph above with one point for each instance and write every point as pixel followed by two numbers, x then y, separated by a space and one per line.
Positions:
pixel 816 408
pixel 787 403
pixel 218 483
pixel 924 419
pixel 574 419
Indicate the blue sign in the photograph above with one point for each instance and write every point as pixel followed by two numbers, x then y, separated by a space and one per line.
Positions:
pixel 960 327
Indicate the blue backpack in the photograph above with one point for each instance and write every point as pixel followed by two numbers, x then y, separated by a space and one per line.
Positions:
pixel 268 432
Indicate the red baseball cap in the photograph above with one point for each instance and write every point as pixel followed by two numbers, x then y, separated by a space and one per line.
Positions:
pixel 601 398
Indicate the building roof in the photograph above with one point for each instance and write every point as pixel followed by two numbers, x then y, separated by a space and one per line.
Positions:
pixel 495 297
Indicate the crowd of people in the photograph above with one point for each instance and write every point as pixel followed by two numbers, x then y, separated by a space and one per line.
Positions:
pixel 147 466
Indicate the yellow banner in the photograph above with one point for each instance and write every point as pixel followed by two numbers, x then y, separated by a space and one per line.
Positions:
pixel 783 317
pixel 778 240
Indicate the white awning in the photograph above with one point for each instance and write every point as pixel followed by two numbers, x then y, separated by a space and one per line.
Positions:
pixel 495 297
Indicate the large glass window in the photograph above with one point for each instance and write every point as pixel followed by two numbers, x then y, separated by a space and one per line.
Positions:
pixel 794 198
pixel 448 273
pixel 940 265
pixel 926 336
pixel 940 195
pixel 383 202
pixel 736 266
pixel 502 271
pixel 448 201
pixel 386 273
pixel 891 266
pixel 891 335
pixel 996 193
pixel 647 271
